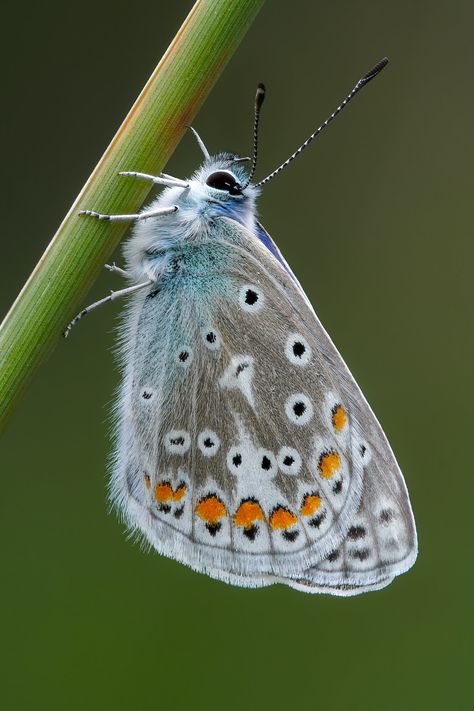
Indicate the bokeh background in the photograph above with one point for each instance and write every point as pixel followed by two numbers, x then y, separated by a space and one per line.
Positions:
pixel 376 219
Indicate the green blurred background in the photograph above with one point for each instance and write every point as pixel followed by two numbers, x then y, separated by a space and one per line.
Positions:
pixel 381 205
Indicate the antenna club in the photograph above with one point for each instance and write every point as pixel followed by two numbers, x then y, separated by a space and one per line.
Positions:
pixel 260 96
pixel 374 71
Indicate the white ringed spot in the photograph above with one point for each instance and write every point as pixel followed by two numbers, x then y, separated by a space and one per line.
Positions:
pixel 297 349
pixel 177 441
pixel 299 409
pixel 251 298
pixel 235 460
pixel 208 443
pixel 289 460
pixel 210 338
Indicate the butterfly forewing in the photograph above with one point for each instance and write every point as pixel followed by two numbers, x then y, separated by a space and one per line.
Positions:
pixel 251 452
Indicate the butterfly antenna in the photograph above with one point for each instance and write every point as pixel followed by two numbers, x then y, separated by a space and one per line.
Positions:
pixel 259 99
pixel 200 142
pixel 361 83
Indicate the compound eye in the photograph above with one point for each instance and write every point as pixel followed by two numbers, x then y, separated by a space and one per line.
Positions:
pixel 221 180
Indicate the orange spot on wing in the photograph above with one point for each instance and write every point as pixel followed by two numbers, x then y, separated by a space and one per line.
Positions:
pixel 329 462
pixel 147 481
pixel 210 509
pixel 311 503
pixel 163 491
pixel 339 417
pixel 180 492
pixel 282 518
pixel 248 512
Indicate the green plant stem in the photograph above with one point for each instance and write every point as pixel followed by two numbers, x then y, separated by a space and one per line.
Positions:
pixel 149 134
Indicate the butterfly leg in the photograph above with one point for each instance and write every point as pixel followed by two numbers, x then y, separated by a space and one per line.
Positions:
pixel 116 270
pixel 113 295
pixel 130 218
pixel 161 179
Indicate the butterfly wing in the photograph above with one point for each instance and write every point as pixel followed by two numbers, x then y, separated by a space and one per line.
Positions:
pixel 246 449
pixel 381 541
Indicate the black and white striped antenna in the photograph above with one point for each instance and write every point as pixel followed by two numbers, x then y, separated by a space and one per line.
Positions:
pixel 361 83
pixel 259 99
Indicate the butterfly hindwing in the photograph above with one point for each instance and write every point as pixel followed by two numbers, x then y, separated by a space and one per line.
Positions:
pixel 246 449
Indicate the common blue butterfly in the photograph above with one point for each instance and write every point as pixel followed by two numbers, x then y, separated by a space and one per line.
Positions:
pixel 244 447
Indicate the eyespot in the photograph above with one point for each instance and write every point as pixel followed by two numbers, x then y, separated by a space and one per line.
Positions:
pixel 235 460
pixel 208 443
pixel 297 349
pixel 222 180
pixel 299 409
pixel 177 441
pixel 210 338
pixel 289 460
pixel 251 298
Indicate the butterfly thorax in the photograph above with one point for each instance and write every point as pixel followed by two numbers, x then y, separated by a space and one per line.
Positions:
pixel 214 194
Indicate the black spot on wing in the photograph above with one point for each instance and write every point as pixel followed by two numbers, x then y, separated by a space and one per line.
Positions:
pixel 290 535
pixel 356 532
pixel 251 297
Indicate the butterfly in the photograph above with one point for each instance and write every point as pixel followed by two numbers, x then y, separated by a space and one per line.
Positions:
pixel 244 447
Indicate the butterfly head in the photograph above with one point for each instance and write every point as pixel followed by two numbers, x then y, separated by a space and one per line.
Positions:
pixel 221 183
